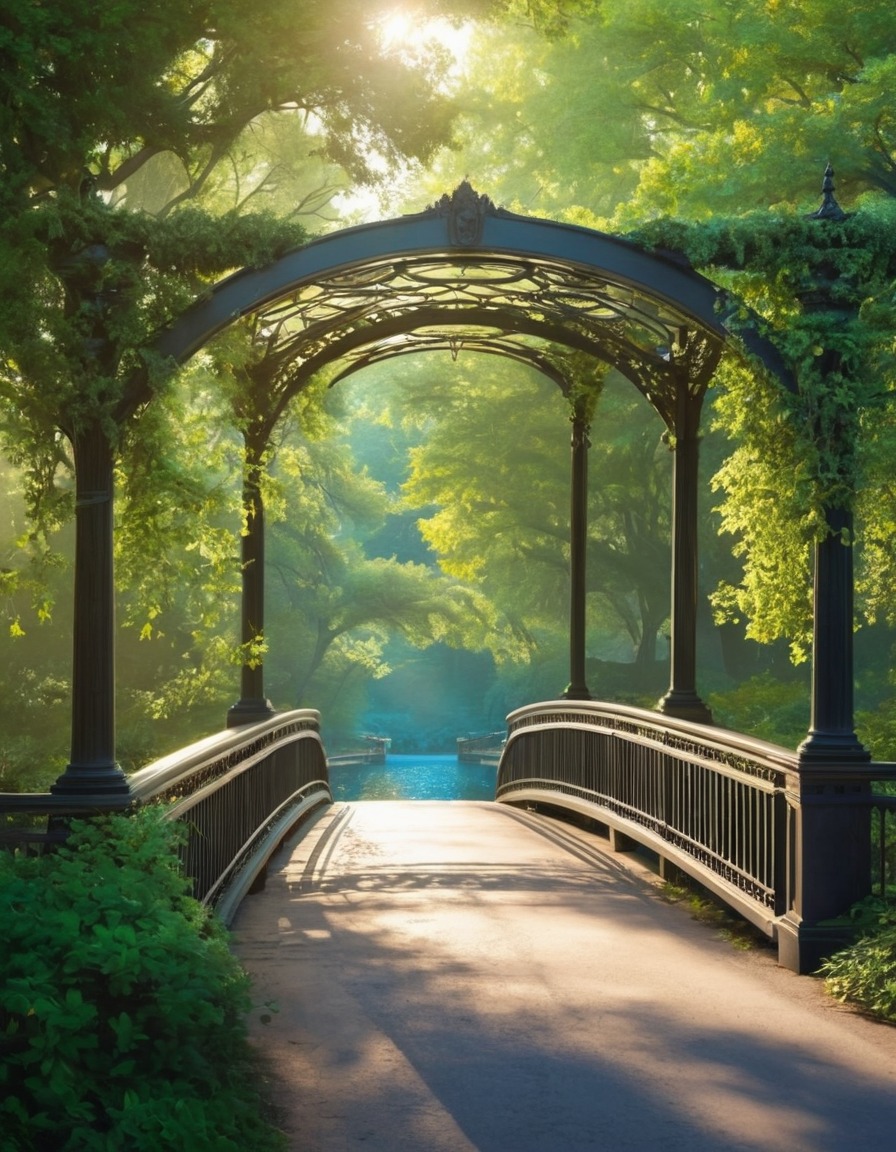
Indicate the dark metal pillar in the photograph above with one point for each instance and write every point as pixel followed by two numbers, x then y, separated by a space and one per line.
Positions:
pixel 682 700
pixel 832 736
pixel 830 798
pixel 93 771
pixel 578 543
pixel 252 705
pixel 832 726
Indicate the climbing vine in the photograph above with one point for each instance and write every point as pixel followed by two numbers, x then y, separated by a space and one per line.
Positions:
pixel 83 290
pixel 818 436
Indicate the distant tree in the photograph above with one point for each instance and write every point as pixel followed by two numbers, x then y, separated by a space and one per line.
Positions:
pixel 333 608
pixel 491 478
pixel 720 113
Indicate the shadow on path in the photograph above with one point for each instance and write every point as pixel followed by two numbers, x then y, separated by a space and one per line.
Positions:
pixel 460 976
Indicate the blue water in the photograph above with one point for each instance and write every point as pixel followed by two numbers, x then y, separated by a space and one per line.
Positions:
pixel 405 777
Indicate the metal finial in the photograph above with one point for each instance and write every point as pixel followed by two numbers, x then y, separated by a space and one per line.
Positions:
pixel 830 209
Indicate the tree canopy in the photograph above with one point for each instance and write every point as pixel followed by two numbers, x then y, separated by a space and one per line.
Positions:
pixel 145 152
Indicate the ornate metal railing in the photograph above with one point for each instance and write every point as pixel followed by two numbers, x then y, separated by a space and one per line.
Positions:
pixel 724 808
pixel 238 794
pixel 711 802
pixel 883 875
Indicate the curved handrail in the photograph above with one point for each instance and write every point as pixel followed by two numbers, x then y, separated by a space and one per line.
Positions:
pixel 709 801
pixel 219 754
pixel 725 808
pixel 238 794
pixel 721 743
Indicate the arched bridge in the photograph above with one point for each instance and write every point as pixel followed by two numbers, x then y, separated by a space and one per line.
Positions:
pixel 783 836
pixel 734 813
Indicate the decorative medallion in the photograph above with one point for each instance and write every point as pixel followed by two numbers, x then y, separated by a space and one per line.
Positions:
pixel 466 210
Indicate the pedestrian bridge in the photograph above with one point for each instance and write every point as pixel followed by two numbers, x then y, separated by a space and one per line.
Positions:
pixel 785 844
pixel 473 977
pixel 786 838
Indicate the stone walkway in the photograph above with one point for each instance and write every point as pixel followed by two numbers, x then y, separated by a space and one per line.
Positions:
pixel 464 976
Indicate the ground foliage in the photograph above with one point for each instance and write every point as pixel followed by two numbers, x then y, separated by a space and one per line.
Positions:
pixel 122 1010
pixel 864 974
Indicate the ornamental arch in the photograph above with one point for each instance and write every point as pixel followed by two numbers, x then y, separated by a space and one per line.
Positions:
pixel 465 275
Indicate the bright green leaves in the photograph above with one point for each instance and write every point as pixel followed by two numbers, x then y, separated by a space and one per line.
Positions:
pixel 120 1002
pixel 864 974
pixel 822 293
pixel 491 480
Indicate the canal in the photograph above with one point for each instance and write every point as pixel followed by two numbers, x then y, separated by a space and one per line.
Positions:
pixel 406 777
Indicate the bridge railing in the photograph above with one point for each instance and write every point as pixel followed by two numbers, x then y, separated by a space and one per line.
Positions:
pixel 724 808
pixel 482 749
pixel 238 794
pixel 365 750
pixel 709 802
pixel 883 877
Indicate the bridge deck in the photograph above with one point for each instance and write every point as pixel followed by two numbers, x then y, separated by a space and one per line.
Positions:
pixel 462 976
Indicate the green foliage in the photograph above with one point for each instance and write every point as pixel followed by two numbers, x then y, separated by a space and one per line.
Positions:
pixel 822 292
pixel 877 729
pixel 333 608
pixel 770 709
pixel 122 1010
pixel 864 974
pixel 135 149
pixel 708 135
pixel 708 909
pixel 491 476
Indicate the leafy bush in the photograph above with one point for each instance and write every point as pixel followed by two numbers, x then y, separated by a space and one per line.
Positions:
pixel 865 972
pixel 770 709
pixel 122 1011
pixel 877 729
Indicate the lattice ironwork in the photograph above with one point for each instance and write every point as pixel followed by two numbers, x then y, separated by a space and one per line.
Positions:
pixel 465 276
pixel 521 308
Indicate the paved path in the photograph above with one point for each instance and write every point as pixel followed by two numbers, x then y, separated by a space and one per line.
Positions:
pixel 459 976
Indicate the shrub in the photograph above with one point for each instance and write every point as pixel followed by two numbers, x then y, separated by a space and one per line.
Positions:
pixel 767 708
pixel 865 973
pixel 122 1010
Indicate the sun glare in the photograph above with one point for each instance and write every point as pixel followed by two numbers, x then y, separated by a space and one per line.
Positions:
pixel 396 29
pixel 401 30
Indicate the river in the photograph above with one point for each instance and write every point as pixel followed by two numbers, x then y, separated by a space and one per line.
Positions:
pixel 405 777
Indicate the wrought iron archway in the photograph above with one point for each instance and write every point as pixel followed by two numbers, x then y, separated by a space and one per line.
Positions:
pixel 465 275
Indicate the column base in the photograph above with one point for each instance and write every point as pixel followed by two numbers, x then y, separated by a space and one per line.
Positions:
pixel 833 748
pixel 685 706
pixel 249 712
pixel 803 947
pixel 104 784
pixel 576 692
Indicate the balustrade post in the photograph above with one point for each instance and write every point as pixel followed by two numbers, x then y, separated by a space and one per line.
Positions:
pixel 578 543
pixel 832 861
pixel 93 770
pixel 682 700
pixel 252 705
